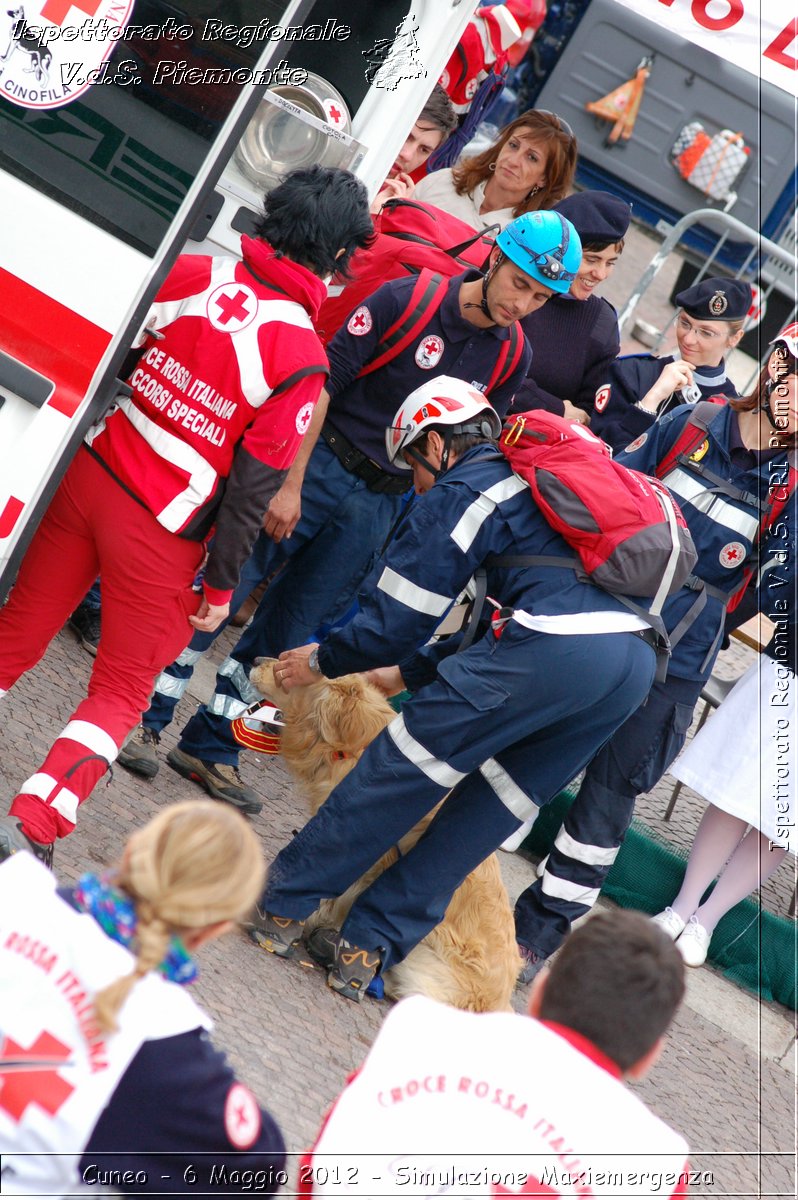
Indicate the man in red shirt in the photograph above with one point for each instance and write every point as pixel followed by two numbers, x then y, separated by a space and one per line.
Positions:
pixel 220 400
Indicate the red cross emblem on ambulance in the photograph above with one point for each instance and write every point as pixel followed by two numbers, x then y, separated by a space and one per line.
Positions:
pixel 732 555
pixel 232 307
pixel 429 352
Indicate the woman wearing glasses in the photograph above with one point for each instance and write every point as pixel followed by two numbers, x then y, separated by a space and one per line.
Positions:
pixel 641 388
pixel 530 167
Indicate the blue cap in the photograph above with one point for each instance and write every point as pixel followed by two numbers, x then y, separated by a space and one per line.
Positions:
pixel 545 245
pixel 598 217
pixel 717 299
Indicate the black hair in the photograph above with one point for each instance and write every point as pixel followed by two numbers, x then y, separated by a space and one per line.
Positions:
pixel 439 111
pixel 315 212
pixel 618 981
pixel 597 247
pixel 459 443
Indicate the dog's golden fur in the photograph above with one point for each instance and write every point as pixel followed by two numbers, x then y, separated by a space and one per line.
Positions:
pixel 470 960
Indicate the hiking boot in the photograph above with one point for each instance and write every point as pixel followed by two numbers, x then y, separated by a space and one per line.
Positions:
pixel 321 944
pixel 352 969
pixel 12 840
pixel 220 780
pixel 279 935
pixel 139 754
pixel 85 624
pixel 532 964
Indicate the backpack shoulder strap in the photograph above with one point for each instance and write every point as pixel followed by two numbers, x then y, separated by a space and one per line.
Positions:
pixel 692 434
pixel 508 359
pixel 425 299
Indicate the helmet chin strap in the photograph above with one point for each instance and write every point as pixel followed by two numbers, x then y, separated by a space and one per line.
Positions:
pixel 436 472
pixel 483 305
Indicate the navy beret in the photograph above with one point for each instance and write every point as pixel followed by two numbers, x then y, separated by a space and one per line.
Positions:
pixel 597 216
pixel 716 299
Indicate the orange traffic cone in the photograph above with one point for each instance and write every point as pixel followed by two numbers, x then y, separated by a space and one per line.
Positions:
pixel 622 105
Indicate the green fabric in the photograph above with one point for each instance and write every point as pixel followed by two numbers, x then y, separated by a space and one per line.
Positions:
pixel 753 948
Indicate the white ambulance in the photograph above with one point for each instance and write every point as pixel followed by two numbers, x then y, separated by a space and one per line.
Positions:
pixel 132 130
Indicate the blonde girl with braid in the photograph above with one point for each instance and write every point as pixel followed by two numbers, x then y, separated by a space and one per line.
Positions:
pixel 189 874
pixel 142 1096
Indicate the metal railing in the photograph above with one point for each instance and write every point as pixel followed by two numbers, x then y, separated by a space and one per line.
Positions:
pixel 774 264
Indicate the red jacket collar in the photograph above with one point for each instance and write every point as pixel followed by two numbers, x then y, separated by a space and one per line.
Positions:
pixel 301 284
pixel 586 1047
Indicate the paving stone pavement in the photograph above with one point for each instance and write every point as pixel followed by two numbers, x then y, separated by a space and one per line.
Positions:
pixel 726 1078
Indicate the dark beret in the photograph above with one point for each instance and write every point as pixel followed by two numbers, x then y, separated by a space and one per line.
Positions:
pixel 597 216
pixel 716 299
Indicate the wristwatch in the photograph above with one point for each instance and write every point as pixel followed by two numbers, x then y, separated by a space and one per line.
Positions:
pixel 313 661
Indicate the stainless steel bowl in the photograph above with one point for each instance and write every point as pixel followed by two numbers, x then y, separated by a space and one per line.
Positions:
pixel 276 142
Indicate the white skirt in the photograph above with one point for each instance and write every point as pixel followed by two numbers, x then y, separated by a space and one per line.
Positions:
pixel 744 760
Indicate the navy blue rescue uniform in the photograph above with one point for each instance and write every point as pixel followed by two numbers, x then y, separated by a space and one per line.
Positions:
pixel 501 726
pixel 574 343
pixel 347 511
pixel 166 1118
pixel 724 529
pixel 618 420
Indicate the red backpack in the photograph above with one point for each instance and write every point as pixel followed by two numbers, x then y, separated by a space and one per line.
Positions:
pixel 628 532
pixel 410 236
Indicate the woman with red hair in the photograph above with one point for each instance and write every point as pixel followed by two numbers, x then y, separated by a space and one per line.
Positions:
pixel 530 166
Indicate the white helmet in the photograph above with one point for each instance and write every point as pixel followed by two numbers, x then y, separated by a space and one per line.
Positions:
pixel 440 401
pixel 789 338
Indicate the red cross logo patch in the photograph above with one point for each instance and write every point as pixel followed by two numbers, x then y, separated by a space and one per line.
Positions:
pixel 232 307
pixel 48 58
pixel 241 1117
pixel 360 322
pixel 638 442
pixel 732 555
pixel 429 351
pixel 303 418
pixel 334 113
pixel 31 1076
pixel 603 397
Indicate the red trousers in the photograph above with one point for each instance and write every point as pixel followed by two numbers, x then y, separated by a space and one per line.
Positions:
pixel 93 527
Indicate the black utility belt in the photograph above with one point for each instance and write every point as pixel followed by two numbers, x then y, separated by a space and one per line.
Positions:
pixel 354 460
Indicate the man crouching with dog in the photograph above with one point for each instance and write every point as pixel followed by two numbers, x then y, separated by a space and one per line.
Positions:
pixel 501 726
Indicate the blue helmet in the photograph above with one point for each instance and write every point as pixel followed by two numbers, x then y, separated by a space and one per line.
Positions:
pixel 545 245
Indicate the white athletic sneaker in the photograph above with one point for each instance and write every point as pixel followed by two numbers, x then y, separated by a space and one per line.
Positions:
pixel 693 943
pixel 671 922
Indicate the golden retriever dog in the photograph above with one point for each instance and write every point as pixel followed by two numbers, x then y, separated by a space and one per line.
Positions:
pixel 470 960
